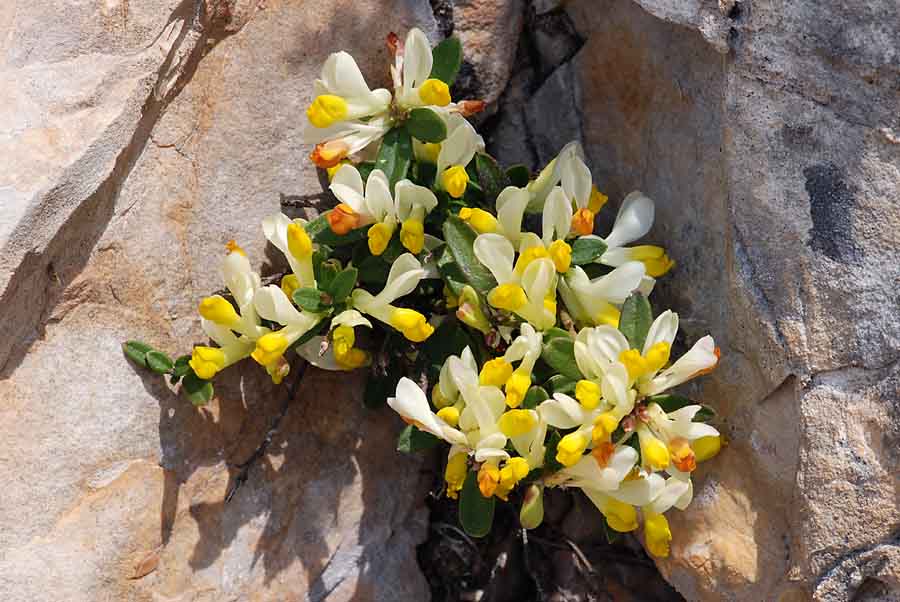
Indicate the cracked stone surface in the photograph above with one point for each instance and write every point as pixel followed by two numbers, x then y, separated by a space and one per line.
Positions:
pixel 139 137
pixel 766 132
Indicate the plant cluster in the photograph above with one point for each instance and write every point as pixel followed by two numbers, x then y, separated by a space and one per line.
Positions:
pixel 503 325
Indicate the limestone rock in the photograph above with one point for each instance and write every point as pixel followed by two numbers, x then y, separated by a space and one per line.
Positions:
pixel 141 138
pixel 767 136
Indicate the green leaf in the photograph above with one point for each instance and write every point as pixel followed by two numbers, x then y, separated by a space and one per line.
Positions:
pixel 551 464
pixel 425 125
pixel 518 175
pixel 559 353
pixel 373 270
pixel 531 515
pixel 449 339
pixel 199 391
pixel 395 154
pixel 534 396
pixel 159 362
pixel 559 383
pixel 450 271
pixel 447 59
pixel 460 239
pixel 555 333
pixel 476 512
pixel 490 176
pixel 324 271
pixel 309 299
pixel 342 285
pixel 181 367
pixel 635 320
pixel 586 250
pixel 137 351
pixel 413 440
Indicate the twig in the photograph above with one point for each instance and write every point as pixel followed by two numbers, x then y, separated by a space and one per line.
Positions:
pixel 448 527
pixel 244 467
pixel 527 558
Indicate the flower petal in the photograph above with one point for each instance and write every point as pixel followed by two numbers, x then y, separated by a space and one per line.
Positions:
pixel 633 221
pixel 496 253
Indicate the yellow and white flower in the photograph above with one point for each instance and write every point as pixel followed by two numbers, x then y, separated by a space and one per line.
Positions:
pixel 341 353
pixel 220 320
pixel 411 71
pixel 456 151
pixel 526 287
pixel 274 305
pixel 346 116
pixel 598 301
pixel 361 206
pixel 290 237
pixel 406 273
pixel 633 221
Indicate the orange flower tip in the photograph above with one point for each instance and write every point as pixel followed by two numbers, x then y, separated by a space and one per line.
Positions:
pixel 329 154
pixel 393 42
pixel 232 247
pixel 342 219
pixel 471 107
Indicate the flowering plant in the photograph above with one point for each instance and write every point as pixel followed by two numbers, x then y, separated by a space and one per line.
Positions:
pixel 509 330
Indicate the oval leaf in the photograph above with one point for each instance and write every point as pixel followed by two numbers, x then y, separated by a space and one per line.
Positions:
pixel 447 59
pixel 587 250
pixel 159 362
pixel 534 396
pixel 199 391
pixel 180 368
pixel 425 125
pixel 559 352
pixel 412 440
pixel 136 351
pixel 342 284
pixel 460 239
pixel 635 320
pixel 518 175
pixel 476 512
pixel 395 154
pixel 490 177
pixel 309 299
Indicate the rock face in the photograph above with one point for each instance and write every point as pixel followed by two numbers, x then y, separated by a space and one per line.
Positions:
pixel 139 137
pixel 768 135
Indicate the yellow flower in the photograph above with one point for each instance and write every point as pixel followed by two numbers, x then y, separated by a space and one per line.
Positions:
pixel 412 324
pixel 597 200
pixel 588 394
pixel 657 535
pixel 495 372
pixel 654 259
pixel 299 243
pixel 289 284
pixel 269 348
pixel 509 296
pixel 434 92
pixel 514 423
pixel 412 235
pixel 326 109
pixel 706 448
pixel 604 426
pixel 450 415
pixel 488 479
pixel 516 388
pixel 561 254
pixel 528 255
pixel 620 516
pixel 455 475
pixel 654 452
pixel 480 220
pixel 571 448
pixel 454 180
pixel 512 472
pixel 379 236
pixel 206 361
pixel 217 309
pixel 583 221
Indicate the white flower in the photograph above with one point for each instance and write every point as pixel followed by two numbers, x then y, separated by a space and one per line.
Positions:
pixel 345 116
pixel 374 203
pixel 220 320
pixel 406 273
pixel 597 301
pixel 456 151
pixel 290 237
pixel 411 71
pixel 410 402
pixel 633 221
pixel 526 288
pixel 273 304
